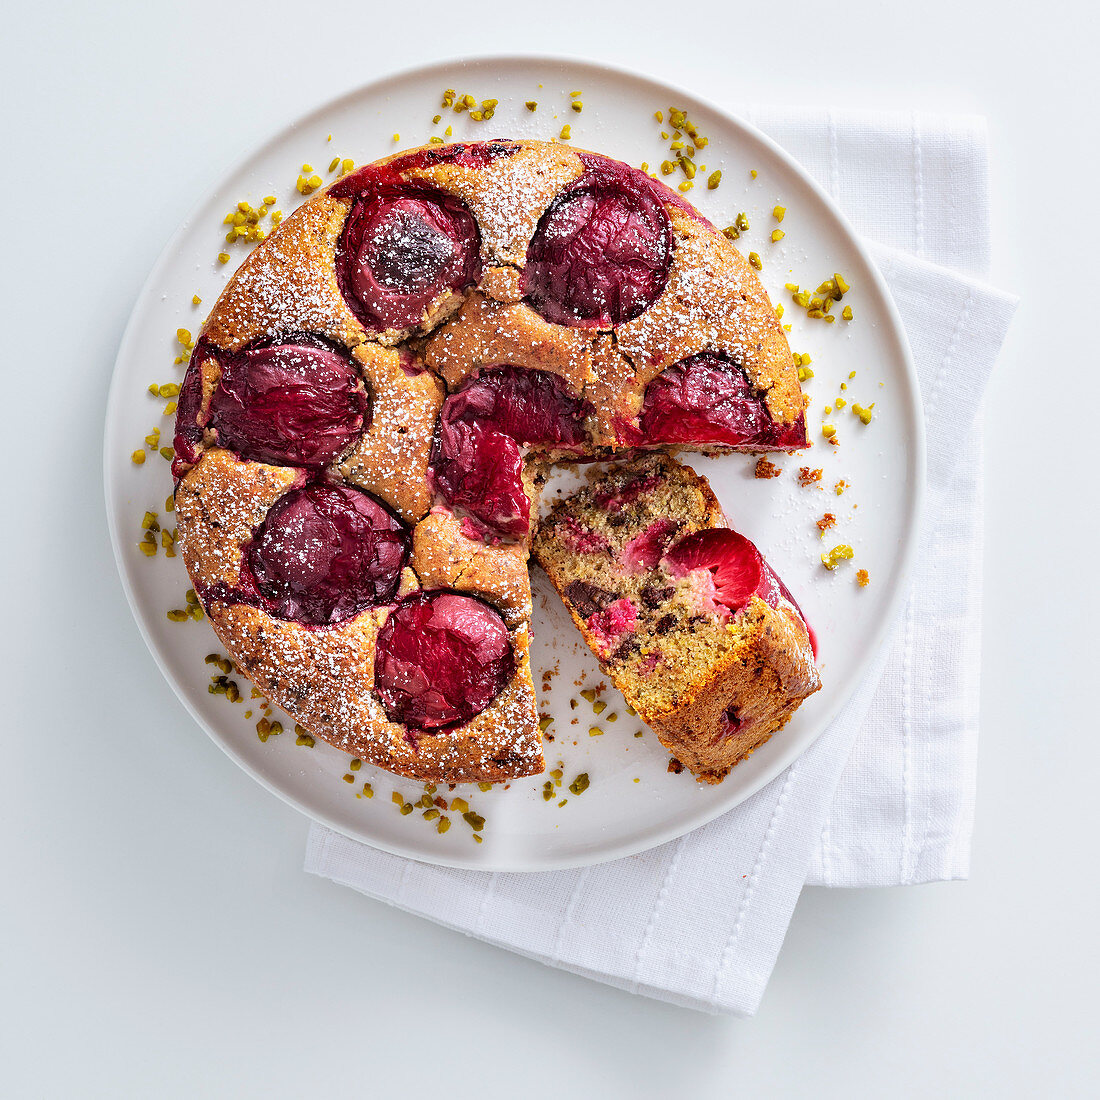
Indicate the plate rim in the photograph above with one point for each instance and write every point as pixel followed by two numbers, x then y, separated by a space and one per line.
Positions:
pixel 914 515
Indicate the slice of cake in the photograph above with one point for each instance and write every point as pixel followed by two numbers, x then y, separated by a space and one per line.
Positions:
pixel 686 617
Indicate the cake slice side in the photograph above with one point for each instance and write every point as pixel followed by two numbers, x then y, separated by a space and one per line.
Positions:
pixel 689 622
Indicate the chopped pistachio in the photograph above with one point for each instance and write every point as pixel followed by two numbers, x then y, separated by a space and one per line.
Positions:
pixel 839 553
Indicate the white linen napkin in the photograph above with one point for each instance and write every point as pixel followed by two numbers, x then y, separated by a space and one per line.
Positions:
pixel 886 795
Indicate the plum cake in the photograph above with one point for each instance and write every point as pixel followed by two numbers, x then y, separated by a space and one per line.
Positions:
pixel 373 404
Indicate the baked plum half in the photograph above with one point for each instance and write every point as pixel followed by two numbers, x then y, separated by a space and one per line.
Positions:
pixel 324 553
pixel 737 571
pixel 441 658
pixel 601 252
pixel 402 247
pixel 476 461
pixel 707 399
pixel 734 567
pixel 298 403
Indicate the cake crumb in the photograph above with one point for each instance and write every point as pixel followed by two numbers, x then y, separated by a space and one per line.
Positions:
pixel 826 522
pixel 807 477
pixel 765 469
pixel 863 578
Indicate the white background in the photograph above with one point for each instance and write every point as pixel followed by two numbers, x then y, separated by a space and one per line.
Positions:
pixel 157 935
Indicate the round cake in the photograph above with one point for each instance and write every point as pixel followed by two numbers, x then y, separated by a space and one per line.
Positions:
pixel 375 400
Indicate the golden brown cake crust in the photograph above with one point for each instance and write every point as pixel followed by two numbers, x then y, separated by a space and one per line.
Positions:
pixel 391 456
pixel 288 287
pixel 444 557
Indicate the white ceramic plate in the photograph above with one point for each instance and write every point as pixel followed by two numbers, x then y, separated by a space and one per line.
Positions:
pixel 633 802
